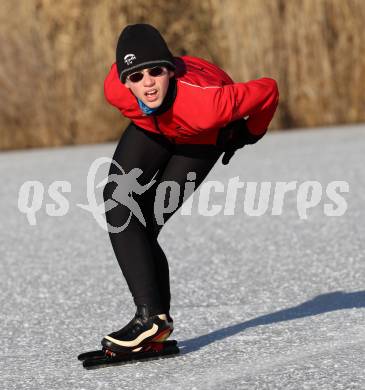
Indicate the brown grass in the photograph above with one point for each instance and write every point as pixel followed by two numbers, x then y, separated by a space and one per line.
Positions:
pixel 314 48
pixel 55 56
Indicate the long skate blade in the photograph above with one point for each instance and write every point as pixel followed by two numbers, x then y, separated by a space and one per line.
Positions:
pixel 101 353
pixel 91 354
pixel 165 351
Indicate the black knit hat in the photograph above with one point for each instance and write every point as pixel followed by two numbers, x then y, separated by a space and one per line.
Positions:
pixel 141 46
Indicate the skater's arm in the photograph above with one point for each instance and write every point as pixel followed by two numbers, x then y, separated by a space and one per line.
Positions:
pixel 256 99
pixel 116 93
pixel 265 96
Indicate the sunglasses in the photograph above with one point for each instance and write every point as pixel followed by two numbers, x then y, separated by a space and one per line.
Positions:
pixel 154 72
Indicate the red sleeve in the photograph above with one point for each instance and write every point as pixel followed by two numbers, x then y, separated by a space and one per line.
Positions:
pixel 257 99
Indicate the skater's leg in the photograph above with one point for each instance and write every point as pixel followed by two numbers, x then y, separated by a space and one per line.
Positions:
pixel 177 169
pixel 146 268
pixel 195 159
pixel 132 245
pixel 163 275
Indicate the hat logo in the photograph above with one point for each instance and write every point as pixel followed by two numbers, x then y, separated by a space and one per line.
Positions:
pixel 129 58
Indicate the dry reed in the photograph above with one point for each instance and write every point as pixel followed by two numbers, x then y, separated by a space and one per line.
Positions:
pixel 55 56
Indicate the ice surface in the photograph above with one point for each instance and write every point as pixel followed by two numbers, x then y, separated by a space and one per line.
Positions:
pixel 270 302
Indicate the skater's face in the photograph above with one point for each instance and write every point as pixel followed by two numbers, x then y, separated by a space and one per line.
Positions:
pixel 150 85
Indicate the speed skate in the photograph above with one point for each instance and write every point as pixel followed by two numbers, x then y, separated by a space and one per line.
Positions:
pixel 151 351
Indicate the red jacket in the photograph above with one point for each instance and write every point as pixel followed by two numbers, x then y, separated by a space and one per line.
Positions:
pixel 206 100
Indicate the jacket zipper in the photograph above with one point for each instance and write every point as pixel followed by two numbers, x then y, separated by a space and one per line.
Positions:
pixel 160 131
pixel 157 126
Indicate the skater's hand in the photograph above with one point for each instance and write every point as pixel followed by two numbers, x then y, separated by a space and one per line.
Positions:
pixel 235 136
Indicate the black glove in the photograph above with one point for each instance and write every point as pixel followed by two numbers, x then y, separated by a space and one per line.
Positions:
pixel 235 136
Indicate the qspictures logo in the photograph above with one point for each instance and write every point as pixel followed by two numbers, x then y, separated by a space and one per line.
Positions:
pixel 256 197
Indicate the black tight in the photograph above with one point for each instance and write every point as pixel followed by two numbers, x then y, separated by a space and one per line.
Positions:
pixel 140 256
